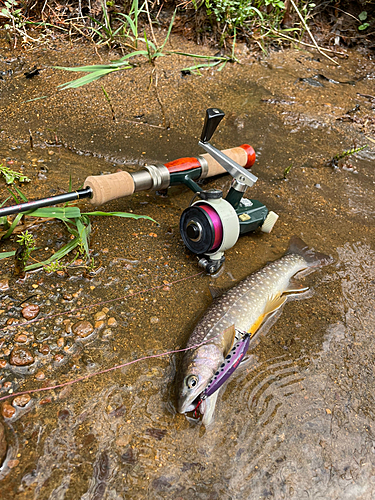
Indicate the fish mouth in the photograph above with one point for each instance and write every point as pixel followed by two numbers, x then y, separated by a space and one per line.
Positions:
pixel 188 406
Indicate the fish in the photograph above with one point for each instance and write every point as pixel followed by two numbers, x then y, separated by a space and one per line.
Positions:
pixel 241 310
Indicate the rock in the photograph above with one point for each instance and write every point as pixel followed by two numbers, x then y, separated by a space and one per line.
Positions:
pixel 58 358
pixel 31 311
pixel 20 356
pixel 99 316
pixel 13 463
pixel 3 444
pixel 21 400
pixel 21 338
pixel 8 410
pixel 3 363
pixel 44 349
pixel 60 342
pixel 112 322
pixel 4 285
pixel 40 375
pixel 82 329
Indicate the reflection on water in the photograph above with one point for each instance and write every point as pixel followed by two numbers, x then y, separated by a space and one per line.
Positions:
pixel 293 428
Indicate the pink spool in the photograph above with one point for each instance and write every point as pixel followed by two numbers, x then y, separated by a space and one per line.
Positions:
pixel 216 221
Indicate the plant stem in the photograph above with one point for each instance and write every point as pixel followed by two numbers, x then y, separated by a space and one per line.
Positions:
pixel 310 34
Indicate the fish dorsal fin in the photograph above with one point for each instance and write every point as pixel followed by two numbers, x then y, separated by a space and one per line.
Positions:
pixel 273 304
pixel 229 337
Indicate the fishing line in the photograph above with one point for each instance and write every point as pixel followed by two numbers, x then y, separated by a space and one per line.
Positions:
pixel 89 306
pixel 117 367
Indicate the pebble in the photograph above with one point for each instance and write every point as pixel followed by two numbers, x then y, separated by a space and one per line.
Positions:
pixel 58 357
pixel 21 338
pixel 100 316
pixel 4 285
pixel 45 401
pixel 3 444
pixel 68 325
pixel 82 329
pixel 3 363
pixel 31 311
pixel 154 319
pixel 112 322
pixel 21 400
pixel 13 463
pixel 8 410
pixel 44 349
pixel 60 342
pixel 98 324
pixel 40 375
pixel 20 356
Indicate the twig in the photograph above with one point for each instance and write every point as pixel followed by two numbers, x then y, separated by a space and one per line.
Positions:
pixel 150 23
pixel 310 34
pixel 308 44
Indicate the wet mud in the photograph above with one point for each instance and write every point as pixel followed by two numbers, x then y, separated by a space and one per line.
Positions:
pixel 297 420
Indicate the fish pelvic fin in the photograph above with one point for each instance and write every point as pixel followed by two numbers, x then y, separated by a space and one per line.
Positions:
pixel 273 304
pixel 313 258
pixel 294 287
pixel 229 337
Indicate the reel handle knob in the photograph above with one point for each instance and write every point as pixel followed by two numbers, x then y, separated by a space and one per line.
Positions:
pixel 212 119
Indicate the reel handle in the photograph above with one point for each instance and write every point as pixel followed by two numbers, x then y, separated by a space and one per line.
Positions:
pixel 110 187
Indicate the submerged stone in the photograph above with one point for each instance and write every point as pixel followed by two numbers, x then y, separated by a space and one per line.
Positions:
pixel 20 356
pixel 31 311
pixel 21 400
pixel 82 329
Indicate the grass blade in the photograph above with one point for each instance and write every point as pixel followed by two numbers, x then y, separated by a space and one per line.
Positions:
pixel 62 213
pixel 5 255
pixel 120 214
pixel 13 225
pixel 56 256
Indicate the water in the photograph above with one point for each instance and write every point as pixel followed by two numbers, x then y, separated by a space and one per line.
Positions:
pixel 296 421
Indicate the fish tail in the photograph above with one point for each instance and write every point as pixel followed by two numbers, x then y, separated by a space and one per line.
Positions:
pixel 313 258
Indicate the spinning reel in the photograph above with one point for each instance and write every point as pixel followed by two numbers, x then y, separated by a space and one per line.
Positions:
pixel 213 224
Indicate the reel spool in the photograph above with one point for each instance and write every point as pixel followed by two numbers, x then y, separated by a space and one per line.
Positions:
pixel 209 227
pixel 213 224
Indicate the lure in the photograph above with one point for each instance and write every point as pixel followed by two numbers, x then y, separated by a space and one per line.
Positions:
pixel 231 362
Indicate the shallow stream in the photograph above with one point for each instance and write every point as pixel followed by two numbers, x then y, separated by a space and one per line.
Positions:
pixel 297 420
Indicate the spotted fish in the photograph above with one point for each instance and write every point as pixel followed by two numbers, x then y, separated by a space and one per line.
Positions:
pixel 243 308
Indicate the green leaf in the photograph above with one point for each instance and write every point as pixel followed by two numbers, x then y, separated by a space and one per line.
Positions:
pixel 5 255
pixel 362 16
pixel 62 213
pixel 56 256
pixel 84 232
pixel 13 225
pixel 363 26
pixel 84 80
pixel 120 214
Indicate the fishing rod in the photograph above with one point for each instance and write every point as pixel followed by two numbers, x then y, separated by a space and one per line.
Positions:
pixel 210 225
pixel 100 189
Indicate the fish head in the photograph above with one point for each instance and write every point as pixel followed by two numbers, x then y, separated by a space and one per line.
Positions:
pixel 200 366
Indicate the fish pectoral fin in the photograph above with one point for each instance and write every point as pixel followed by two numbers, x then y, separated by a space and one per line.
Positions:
pixel 273 304
pixel 229 337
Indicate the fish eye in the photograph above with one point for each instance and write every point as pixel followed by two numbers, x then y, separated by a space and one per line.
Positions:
pixel 192 381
